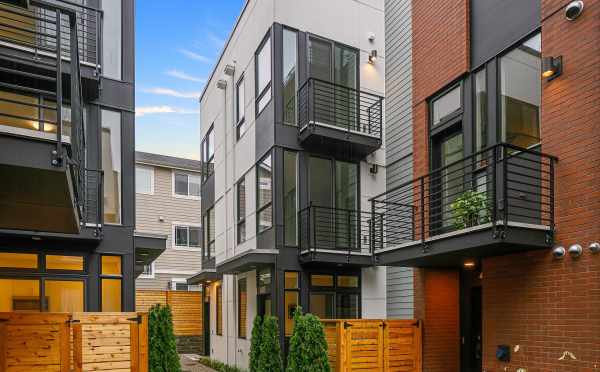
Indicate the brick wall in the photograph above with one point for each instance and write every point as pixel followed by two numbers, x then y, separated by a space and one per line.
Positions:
pixel 544 305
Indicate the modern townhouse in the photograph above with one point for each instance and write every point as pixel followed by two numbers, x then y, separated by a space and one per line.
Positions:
pixel 168 204
pixel 492 200
pixel 67 196
pixel 292 150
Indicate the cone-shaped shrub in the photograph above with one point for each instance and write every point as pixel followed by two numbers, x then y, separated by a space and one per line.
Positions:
pixel 255 342
pixel 163 355
pixel 308 346
pixel 269 359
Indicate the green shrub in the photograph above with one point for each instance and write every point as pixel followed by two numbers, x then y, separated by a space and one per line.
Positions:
pixel 269 359
pixel 163 355
pixel 255 342
pixel 219 366
pixel 308 346
pixel 470 209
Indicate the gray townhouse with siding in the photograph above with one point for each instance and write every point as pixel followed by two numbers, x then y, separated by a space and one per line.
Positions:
pixel 168 204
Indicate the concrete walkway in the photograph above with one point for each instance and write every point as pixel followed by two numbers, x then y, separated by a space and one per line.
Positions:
pixel 189 364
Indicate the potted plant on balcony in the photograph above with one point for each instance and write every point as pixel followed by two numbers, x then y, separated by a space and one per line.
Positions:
pixel 470 209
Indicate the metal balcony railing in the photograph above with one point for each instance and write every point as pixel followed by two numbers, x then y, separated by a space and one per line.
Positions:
pixel 498 186
pixel 337 230
pixel 35 27
pixel 327 104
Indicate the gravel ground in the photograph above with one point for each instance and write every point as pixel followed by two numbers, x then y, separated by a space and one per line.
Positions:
pixel 189 364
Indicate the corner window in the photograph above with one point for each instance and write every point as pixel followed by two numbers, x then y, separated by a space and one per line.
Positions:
pixel 241 211
pixel 111 165
pixel 264 196
pixel 520 93
pixel 290 204
pixel 448 104
pixel 144 180
pixel 263 75
pixel 186 236
pixel 186 185
pixel 289 78
pixel 240 112
pixel 242 308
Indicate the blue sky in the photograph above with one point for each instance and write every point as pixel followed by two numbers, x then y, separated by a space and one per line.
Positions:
pixel 177 44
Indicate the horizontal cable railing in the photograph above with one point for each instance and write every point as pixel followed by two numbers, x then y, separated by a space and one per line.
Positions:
pixel 328 104
pixel 499 185
pixel 333 229
pixel 35 27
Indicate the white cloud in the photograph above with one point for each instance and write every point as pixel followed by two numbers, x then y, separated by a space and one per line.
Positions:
pixel 173 93
pixel 184 76
pixel 195 56
pixel 150 110
pixel 217 40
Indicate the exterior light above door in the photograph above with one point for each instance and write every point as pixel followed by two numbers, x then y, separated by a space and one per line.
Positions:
pixel 551 67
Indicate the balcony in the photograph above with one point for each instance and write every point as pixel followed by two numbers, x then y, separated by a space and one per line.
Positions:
pixel 495 202
pixel 338 119
pixel 46 186
pixel 336 236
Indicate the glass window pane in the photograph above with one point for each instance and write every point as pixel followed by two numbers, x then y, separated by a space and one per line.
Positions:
pixel 292 299
pixel 111 165
pixel 181 184
pixel 264 182
pixel 452 176
pixel 264 66
pixel 347 306
pixel 480 110
pixel 181 236
pixel 446 105
pixel 194 236
pixel 346 66
pixel 73 263
pixel 520 87
pixel 291 280
pixel 111 265
pixel 347 281
pixel 265 219
pixel 219 309
pixel 194 183
pixel 19 260
pixel 64 296
pixel 19 295
pixel 240 113
pixel 242 309
pixel 321 182
pixel 241 232
pixel 241 200
pixel 321 305
pixel 319 56
pixel 111 295
pixel 143 180
pixel 16 114
pixel 290 50
pixel 211 144
pixel 289 197
pixel 346 185
pixel 264 100
pixel 318 280
pixel 264 281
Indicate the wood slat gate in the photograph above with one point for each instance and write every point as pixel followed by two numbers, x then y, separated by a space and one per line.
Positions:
pixel 45 342
pixel 378 345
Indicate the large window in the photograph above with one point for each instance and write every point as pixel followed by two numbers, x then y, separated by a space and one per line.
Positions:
pixel 240 112
pixel 447 105
pixel 263 289
pixel 335 296
pixel 263 75
pixel 185 236
pixel 144 180
pixel 33 112
pixel 209 232
pixel 292 299
pixel 290 206
pixel 241 210
pixel 264 195
pixel 111 165
pixel 520 93
pixel 111 283
pixel 208 153
pixel 186 185
pixel 289 78
pixel 242 308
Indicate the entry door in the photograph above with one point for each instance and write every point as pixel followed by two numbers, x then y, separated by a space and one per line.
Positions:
pixel 206 319
pixel 471 322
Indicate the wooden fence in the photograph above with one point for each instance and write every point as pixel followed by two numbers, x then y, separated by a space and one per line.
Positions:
pixel 78 342
pixel 377 345
pixel 185 305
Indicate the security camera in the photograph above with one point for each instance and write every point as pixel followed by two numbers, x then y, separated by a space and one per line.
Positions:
pixel 559 252
pixel 574 10
pixel 595 247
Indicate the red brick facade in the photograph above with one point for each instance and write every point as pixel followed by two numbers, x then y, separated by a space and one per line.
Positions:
pixel 545 306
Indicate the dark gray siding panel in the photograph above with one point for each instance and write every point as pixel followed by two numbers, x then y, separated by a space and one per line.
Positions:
pixel 398 131
pixel 496 25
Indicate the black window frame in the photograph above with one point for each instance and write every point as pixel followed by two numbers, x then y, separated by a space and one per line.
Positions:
pixel 110 277
pixel 335 289
pixel 239 308
pixel 207 158
pixel 259 208
pixel 333 44
pixel 297 290
pixel 240 118
pixel 260 94
pixel 241 216
pixel 297 32
pixel 208 240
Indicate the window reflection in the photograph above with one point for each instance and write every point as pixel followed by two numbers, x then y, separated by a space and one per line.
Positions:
pixel 111 165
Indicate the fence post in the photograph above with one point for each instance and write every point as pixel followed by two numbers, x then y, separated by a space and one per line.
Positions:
pixel 143 343
pixel 77 347
pixel 134 333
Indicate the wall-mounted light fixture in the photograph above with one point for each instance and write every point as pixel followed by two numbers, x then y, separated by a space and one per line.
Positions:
pixel 551 67
pixel 469 265
pixel 373 56
pixel 595 247
pixel 559 252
